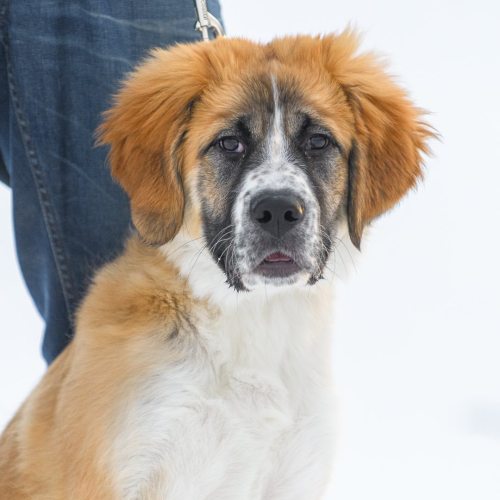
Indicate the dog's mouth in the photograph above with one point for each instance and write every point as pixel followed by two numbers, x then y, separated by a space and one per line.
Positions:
pixel 277 265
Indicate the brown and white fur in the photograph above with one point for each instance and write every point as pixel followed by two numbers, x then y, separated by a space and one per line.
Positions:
pixel 200 366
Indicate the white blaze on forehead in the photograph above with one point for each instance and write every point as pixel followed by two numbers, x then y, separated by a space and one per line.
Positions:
pixel 276 138
pixel 277 172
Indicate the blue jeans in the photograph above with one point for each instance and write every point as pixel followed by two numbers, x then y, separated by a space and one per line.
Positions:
pixel 60 63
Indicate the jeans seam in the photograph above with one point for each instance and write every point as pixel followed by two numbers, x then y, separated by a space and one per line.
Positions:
pixel 48 214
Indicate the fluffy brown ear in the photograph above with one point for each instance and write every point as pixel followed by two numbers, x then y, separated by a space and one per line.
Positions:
pixel 145 129
pixel 389 139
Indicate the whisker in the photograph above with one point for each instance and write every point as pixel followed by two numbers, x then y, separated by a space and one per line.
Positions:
pixel 197 255
pixel 171 252
pixel 225 233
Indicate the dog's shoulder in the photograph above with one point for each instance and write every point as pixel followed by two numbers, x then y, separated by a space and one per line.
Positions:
pixel 137 294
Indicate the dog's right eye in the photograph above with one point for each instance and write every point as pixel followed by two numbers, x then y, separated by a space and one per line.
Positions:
pixel 231 145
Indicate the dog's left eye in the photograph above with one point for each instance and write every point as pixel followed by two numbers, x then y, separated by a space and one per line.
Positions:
pixel 317 141
pixel 231 145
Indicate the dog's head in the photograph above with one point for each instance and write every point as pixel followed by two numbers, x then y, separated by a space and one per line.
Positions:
pixel 262 150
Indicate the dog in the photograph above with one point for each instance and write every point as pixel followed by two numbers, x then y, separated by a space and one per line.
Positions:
pixel 200 368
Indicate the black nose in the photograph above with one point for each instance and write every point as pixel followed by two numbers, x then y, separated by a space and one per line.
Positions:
pixel 277 212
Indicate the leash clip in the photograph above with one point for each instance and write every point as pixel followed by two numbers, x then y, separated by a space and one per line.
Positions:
pixel 206 21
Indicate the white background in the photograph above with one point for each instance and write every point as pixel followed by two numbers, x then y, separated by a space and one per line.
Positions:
pixel 417 340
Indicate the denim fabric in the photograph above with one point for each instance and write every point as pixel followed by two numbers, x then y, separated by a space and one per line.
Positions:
pixel 60 63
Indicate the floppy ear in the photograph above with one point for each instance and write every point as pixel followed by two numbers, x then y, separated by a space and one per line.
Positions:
pixel 389 134
pixel 145 129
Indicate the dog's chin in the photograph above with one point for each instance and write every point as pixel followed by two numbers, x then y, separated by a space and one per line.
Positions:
pixel 253 281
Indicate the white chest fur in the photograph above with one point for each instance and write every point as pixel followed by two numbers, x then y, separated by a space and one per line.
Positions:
pixel 245 414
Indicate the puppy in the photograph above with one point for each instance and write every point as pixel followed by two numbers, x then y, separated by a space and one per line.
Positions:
pixel 200 365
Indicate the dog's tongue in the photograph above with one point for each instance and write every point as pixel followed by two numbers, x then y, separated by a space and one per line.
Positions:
pixel 277 257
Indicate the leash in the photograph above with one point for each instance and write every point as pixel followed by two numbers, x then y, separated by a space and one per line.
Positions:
pixel 206 21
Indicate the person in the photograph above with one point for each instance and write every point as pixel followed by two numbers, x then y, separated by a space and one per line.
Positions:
pixel 60 64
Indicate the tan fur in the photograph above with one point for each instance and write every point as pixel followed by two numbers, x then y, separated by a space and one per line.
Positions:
pixel 166 113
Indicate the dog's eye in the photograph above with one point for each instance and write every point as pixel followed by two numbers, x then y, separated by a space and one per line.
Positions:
pixel 317 141
pixel 231 145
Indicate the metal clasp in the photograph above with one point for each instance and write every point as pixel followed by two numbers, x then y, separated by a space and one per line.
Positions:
pixel 206 21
